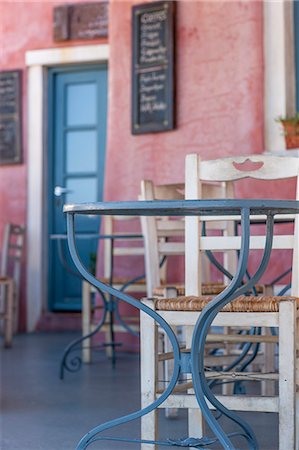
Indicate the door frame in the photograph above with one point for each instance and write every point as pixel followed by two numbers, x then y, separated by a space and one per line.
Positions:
pixel 279 71
pixel 38 62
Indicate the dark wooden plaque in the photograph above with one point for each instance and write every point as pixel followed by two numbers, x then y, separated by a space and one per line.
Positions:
pixel 81 21
pixel 153 67
pixel 10 117
pixel 61 23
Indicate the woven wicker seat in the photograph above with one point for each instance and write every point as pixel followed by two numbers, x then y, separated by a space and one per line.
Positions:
pixel 240 304
pixel 207 289
pixel 4 279
pixel 120 280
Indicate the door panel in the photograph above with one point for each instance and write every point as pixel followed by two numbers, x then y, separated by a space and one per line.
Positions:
pixel 76 162
pixel 82 190
pixel 81 108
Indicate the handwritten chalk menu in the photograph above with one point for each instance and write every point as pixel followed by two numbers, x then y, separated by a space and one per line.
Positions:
pixel 153 67
pixel 10 117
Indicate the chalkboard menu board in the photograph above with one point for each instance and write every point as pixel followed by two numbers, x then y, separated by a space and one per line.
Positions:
pixel 10 117
pixel 153 67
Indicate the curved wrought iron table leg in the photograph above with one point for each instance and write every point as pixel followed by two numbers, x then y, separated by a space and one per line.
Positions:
pixel 74 364
pixel 123 289
pixel 247 346
pixel 205 319
pixel 198 376
pixel 90 437
pixel 201 387
pixel 110 307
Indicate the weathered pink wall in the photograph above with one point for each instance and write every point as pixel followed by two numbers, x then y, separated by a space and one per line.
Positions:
pixel 219 79
pixel 219 69
pixel 24 25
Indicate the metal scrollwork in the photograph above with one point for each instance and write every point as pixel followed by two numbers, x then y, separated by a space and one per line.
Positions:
pixel 236 288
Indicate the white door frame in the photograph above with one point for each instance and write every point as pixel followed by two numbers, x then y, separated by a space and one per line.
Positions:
pixel 279 70
pixel 38 61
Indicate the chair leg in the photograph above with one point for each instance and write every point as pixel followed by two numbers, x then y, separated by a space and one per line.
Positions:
pixel 15 312
pixel 287 379
pixel 86 321
pixel 148 362
pixel 109 335
pixel 227 388
pixel 195 417
pixel 170 413
pixel 8 319
pixel 268 387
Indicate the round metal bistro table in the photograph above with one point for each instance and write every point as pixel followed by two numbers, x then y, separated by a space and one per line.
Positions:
pixel 240 208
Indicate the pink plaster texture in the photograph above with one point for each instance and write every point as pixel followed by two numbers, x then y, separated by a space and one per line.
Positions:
pixel 219 78
pixel 219 95
pixel 24 26
pixel 219 98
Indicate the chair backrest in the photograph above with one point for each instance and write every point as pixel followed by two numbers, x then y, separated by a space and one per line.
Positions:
pixel 125 246
pixel 164 236
pixel 157 230
pixel 12 251
pixel 229 170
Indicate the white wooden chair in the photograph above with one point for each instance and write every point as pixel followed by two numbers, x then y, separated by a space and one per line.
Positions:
pixel 164 237
pixel 264 311
pixel 112 253
pixel 11 256
pixel 157 230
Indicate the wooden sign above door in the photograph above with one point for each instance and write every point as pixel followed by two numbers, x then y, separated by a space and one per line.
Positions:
pixel 81 21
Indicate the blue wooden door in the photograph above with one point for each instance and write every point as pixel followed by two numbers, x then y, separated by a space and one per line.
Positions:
pixel 78 107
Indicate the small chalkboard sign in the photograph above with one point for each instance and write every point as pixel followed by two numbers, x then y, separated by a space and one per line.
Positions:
pixel 153 67
pixel 10 117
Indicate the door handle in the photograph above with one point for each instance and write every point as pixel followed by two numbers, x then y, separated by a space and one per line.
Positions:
pixel 59 190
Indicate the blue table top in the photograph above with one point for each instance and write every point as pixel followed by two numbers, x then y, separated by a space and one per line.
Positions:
pixel 205 207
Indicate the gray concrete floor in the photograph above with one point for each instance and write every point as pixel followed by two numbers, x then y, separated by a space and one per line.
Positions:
pixel 41 412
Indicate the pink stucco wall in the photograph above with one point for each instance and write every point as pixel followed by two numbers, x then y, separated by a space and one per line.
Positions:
pixel 219 71
pixel 219 79
pixel 24 25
